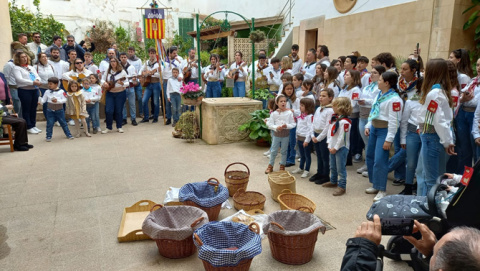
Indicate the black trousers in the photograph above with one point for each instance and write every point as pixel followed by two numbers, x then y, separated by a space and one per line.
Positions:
pixel 19 125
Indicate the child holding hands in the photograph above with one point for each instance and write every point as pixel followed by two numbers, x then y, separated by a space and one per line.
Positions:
pixel 91 97
pixel 55 97
pixel 76 106
pixel 304 132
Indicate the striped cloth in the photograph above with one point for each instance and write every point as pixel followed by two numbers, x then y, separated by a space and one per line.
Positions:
pixel 218 236
pixel 203 194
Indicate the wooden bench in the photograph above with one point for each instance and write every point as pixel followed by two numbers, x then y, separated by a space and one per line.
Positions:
pixel 9 139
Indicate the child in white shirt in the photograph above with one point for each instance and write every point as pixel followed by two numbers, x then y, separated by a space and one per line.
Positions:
pixel 173 95
pixel 280 121
pixel 338 140
pixel 304 132
pixel 55 98
pixel 95 116
pixel 91 97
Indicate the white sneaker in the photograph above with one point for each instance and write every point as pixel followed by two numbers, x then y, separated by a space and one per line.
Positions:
pixel 57 123
pixel 297 171
pixel 371 190
pixel 267 153
pixel 106 131
pixel 305 174
pixel 299 159
pixel 99 129
pixel 268 156
pixel 120 130
pixel 36 129
pixel 71 123
pixel 365 174
pixel 32 131
pixel 380 195
pixel 362 169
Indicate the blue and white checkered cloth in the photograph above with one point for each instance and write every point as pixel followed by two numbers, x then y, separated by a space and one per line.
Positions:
pixel 217 236
pixel 203 194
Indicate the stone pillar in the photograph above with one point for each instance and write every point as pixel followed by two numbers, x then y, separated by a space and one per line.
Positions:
pixel 6 30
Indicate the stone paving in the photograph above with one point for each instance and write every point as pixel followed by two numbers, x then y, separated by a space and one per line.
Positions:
pixel 61 203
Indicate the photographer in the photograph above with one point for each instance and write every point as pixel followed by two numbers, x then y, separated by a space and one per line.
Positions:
pixel 457 250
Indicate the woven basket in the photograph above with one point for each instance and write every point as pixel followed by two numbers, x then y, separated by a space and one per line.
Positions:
pixel 212 212
pixel 248 200
pixel 241 266
pixel 292 201
pixel 279 181
pixel 236 179
pixel 293 249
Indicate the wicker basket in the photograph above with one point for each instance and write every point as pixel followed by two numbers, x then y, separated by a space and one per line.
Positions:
pixel 236 179
pixel 292 249
pixel 292 201
pixel 248 200
pixel 279 181
pixel 212 212
pixel 241 266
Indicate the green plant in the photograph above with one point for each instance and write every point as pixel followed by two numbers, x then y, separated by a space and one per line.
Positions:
pixel 205 58
pixel 24 21
pixel 182 43
pixel 226 92
pixel 257 36
pixel 256 125
pixel 261 94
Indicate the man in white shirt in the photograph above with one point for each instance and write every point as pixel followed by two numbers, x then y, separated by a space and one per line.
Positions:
pixel 89 63
pixel 308 69
pixel 59 66
pixel 103 67
pixel 132 79
pixel 191 64
pixel 322 55
pixel 274 74
pixel 261 72
pixel 173 61
pixel 151 68
pixel 296 60
pixel 137 63
pixel 12 84
pixel 36 46
pixel 362 64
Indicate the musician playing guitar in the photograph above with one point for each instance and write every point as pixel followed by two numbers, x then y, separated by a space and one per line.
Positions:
pixel 79 72
pixel 130 91
pixel 239 73
pixel 212 75
pixel 115 83
pixel 151 68
pixel 190 68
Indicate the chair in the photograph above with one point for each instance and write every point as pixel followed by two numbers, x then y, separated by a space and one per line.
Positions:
pixel 9 139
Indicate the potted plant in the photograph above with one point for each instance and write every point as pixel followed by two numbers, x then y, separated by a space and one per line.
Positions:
pixel 262 95
pixel 257 36
pixel 258 128
pixel 192 94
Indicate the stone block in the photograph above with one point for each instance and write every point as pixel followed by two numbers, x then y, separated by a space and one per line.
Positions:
pixel 221 118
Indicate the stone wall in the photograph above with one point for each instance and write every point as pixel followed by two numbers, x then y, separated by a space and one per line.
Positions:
pixel 6 36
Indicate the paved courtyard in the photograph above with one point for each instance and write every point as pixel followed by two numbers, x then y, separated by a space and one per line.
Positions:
pixel 61 203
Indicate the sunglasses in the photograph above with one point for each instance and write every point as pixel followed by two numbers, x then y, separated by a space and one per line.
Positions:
pixel 70 40
pixel 78 62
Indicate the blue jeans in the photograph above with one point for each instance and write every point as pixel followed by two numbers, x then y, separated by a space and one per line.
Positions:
pixel 338 170
pixel 278 142
pixel 397 162
pixel 176 101
pixel 138 95
pixel 377 158
pixel 17 105
pixel 168 105
pixel 361 129
pixel 152 88
pixel 305 155
pixel 465 142
pixel 291 146
pixel 414 145
pixel 52 117
pixel 356 142
pixel 130 93
pixel 323 157
pixel 96 116
pixel 114 104
pixel 91 110
pixel 29 100
pixel 421 186
pixel 214 89
pixel 431 152
pixel 44 109
pixel 239 89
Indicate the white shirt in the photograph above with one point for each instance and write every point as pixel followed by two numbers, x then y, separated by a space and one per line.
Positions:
pixel 59 68
pixel 103 67
pixel 58 94
pixel 276 77
pixel 131 72
pixel 321 118
pixel 473 102
pixel 44 72
pixel 173 86
pixel 296 66
pixel 212 74
pixel 193 69
pixel 369 94
pixel 167 68
pixel 295 106
pixel 442 115
pixel 75 74
pixel 150 67
pixel 8 72
pixel 241 73
pixel 93 95
pixel 118 87
pixel 92 67
pixel 280 118
pixel 22 76
pixel 137 64
pixel 341 78
pixel 336 89
pixel 476 121
pixel 309 69
pixel 391 111
pixel 353 94
pixel 305 127
pixel 264 72
pixel 340 139
pixel 34 49
pixel 365 80
pixel 410 115
pixel 463 79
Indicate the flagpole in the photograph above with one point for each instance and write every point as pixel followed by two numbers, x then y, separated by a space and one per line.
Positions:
pixel 161 81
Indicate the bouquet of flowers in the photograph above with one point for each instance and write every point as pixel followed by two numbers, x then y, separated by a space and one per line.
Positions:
pixel 191 91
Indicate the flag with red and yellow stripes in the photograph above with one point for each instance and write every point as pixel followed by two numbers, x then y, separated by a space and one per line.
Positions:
pixel 154 24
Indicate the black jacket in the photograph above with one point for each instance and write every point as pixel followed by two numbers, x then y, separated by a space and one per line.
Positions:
pixel 361 254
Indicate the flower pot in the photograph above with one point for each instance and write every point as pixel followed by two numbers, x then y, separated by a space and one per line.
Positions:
pixel 195 102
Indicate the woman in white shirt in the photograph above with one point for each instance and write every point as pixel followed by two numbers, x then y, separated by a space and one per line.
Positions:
pixel 27 82
pixel 238 72
pixel 116 96
pixel 44 70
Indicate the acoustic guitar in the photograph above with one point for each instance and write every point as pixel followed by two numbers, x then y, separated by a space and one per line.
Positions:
pixel 187 71
pixel 235 72
pixel 111 84
pixel 145 80
pixel 74 78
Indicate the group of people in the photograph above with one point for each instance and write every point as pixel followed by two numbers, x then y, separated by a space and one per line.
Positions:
pixel 343 112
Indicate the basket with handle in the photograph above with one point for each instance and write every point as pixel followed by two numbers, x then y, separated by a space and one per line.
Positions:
pixel 248 200
pixel 279 181
pixel 207 196
pixel 291 201
pixel 236 179
pixel 292 235
pixel 227 246
pixel 172 227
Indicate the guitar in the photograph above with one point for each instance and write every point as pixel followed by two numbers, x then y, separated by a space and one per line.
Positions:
pixel 111 84
pixel 235 72
pixel 74 78
pixel 187 71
